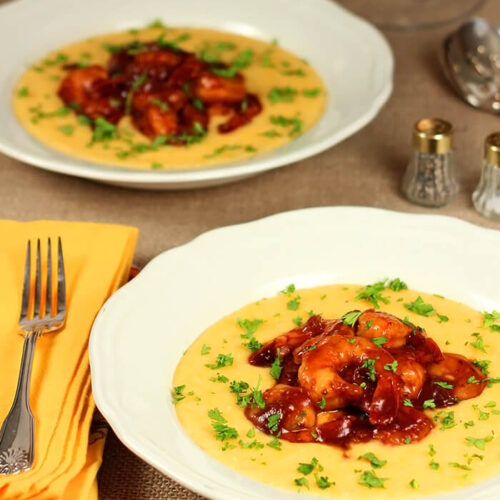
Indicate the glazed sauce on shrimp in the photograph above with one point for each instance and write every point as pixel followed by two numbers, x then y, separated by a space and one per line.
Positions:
pixel 367 376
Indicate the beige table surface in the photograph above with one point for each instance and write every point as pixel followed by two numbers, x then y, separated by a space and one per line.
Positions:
pixel 364 170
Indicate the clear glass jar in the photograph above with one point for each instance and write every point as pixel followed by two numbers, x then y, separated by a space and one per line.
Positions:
pixel 486 197
pixel 430 176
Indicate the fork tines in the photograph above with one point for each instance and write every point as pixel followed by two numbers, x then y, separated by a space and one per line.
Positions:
pixel 42 304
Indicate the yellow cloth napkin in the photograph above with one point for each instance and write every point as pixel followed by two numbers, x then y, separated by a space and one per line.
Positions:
pixel 97 261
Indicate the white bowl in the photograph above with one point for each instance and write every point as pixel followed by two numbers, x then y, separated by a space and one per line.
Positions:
pixel 351 56
pixel 142 331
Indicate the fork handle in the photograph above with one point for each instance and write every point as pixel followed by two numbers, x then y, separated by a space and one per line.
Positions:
pixel 17 435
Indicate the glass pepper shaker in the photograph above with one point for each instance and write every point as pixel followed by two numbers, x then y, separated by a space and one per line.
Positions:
pixel 486 197
pixel 430 176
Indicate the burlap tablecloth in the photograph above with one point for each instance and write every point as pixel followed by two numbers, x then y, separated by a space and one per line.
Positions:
pixel 364 170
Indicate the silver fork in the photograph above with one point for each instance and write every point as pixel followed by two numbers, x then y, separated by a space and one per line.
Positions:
pixel 17 435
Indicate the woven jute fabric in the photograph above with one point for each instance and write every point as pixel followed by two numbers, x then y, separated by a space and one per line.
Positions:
pixel 365 169
pixel 124 476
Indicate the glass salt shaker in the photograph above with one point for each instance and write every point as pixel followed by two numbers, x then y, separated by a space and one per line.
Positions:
pixel 430 176
pixel 486 197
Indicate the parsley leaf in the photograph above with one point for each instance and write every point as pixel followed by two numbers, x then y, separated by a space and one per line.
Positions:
pixel 373 293
pixel 177 393
pixel 305 468
pixel 391 366
pixel 397 285
pixel 205 349
pixel 222 431
pixel 370 479
pixel 350 318
pixel 293 304
pixel 479 443
pixel 249 326
pixel 379 341
pixel 322 481
pixel 276 366
pixel 375 462
pixel 444 385
pixel 221 361
pixel 281 94
pixel 419 307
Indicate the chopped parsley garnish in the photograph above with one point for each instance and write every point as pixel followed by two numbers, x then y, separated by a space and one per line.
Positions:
pixel 273 422
pixel 420 307
pixel 172 44
pixel 459 466
pixel 66 129
pixel 468 424
pixel 103 130
pixel 301 481
pixel 397 285
pixel 288 290
pixel 177 393
pixel 160 104
pixel 271 134
pixel 253 344
pixel 156 23
pixel 433 465
pixel 276 366
pixel 447 419
pixel 369 364
pixel 478 343
pixel 140 80
pixel 293 304
pixel 380 341
pixel 221 361
pixel 414 484
pixel 297 320
pixel 38 114
pixel 275 443
pixel 219 378
pixel 432 450
pixel 282 121
pixel 483 415
pixel 306 469
pixel 444 385
pixel 251 433
pixel 442 318
pixel 281 94
pixel 322 403
pixel 407 440
pixel 429 403
pixel 205 349
pixel 490 319
pixel 22 92
pixel 407 402
pixel 373 293
pixel 311 92
pixel 370 479
pixel 294 72
pixel 84 120
pixel 375 462
pixel 391 366
pixel 241 61
pixel 249 326
pixel 230 147
pixel 483 365
pixel 322 481
pixel 222 431
pixel 479 443
pixel 350 318
pixel 473 380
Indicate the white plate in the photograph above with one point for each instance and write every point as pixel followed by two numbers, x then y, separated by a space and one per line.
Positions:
pixel 351 56
pixel 142 331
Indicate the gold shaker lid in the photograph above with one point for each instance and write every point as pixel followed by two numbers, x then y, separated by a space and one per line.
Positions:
pixel 492 149
pixel 433 135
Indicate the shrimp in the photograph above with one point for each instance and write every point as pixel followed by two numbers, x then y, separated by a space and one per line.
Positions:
pixel 245 111
pixel 287 342
pixel 372 324
pixel 409 425
pixel 297 415
pixel 412 374
pixel 90 92
pixel 341 428
pixel 323 370
pixel 77 86
pixel 467 380
pixel 211 88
